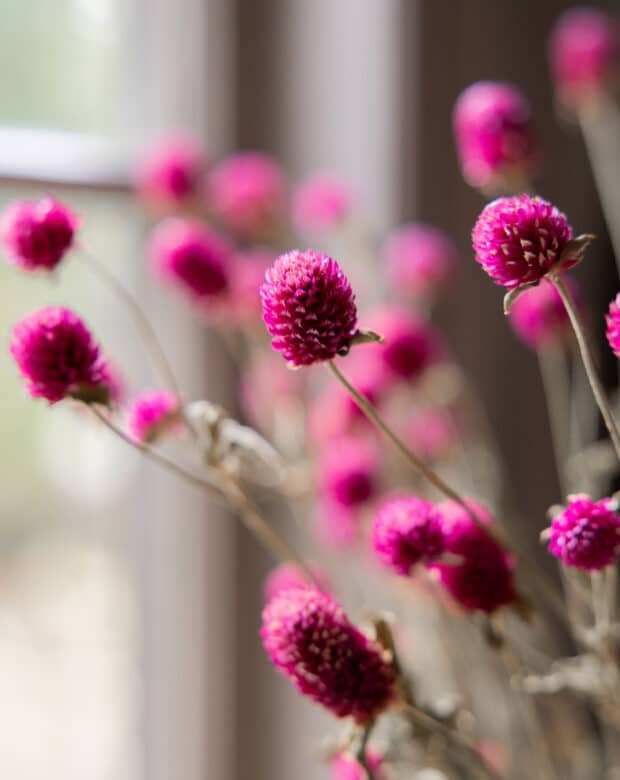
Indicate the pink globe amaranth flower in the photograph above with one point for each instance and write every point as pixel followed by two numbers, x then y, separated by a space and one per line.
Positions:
pixel 419 259
pixel 433 433
pixel 58 357
pixel 321 203
pixel 518 240
pixel 584 53
pixel 153 414
pixel 289 575
pixel 586 535
pixel 494 136
pixel 309 638
pixel 346 767
pixel 538 316
pixel 483 579
pixel 308 307
pixel 38 235
pixel 613 325
pixel 170 171
pixel 407 531
pixel 192 256
pixel 348 471
pixel 247 193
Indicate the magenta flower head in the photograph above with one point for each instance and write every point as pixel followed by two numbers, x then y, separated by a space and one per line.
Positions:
pixel 613 325
pixel 586 535
pixel 584 53
pixel 58 357
pixel 346 767
pixel 38 235
pixel 539 317
pixel 483 579
pixel 494 137
pixel 169 173
pixel 518 240
pixel 308 307
pixel 289 575
pixel 407 531
pixel 191 256
pixel 309 638
pixel 419 259
pixel 321 203
pixel 348 471
pixel 153 414
pixel 247 193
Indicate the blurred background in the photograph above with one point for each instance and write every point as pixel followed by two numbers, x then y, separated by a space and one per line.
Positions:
pixel 129 609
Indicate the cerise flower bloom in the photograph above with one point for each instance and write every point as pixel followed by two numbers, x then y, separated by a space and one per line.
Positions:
pixel 405 532
pixel 308 307
pixel 483 580
pixel 586 535
pixel 322 202
pixel 494 136
pixel 584 53
pixel 539 317
pixel 419 259
pixel 38 235
pixel 613 325
pixel 345 767
pixel 152 414
pixel 289 575
pixel 247 194
pixel 58 356
pixel 170 171
pixel 348 471
pixel 518 240
pixel 192 256
pixel 309 638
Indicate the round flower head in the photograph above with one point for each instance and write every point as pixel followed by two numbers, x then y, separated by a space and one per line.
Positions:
pixel 152 414
pixel 191 256
pixel 518 240
pixel 321 203
pixel 247 194
pixel 348 471
pixel 613 325
pixel 308 307
pixel 346 767
pixel 584 53
pixel 309 638
pixel 483 580
pixel 58 357
pixel 289 575
pixel 38 235
pixel 539 317
pixel 407 531
pixel 418 259
pixel 494 137
pixel 170 171
pixel 586 535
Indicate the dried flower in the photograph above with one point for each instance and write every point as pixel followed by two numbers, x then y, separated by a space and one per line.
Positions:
pixel 308 307
pixel 419 259
pixel 309 638
pixel 407 531
pixel 539 317
pixel 584 53
pixel 586 535
pixel 321 203
pixel 613 325
pixel 247 194
pixel 192 256
pixel 289 575
pixel 348 471
pixel 518 240
pixel 152 414
pixel 58 357
pixel 38 235
pixel 346 767
pixel 494 137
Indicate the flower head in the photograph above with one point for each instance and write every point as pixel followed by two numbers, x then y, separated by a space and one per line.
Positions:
pixel 309 638
pixel 613 325
pixel 405 532
pixel 152 414
pixel 419 259
pixel 584 53
pixel 539 317
pixel 518 240
pixel 58 357
pixel 290 575
pixel 586 535
pixel 38 235
pixel 346 767
pixel 494 136
pixel 348 471
pixel 170 171
pixel 308 307
pixel 247 194
pixel 192 256
pixel 321 203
